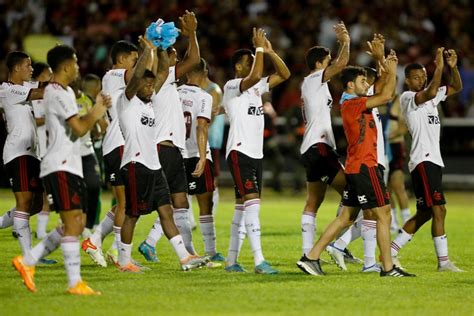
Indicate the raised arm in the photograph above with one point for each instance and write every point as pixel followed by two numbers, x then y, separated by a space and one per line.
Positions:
pixel 376 49
pixel 162 69
pixel 342 36
pixel 134 84
pixel 386 91
pixel 432 90
pixel 80 125
pixel 36 94
pixel 455 85
pixel 256 72
pixel 193 55
pixel 282 72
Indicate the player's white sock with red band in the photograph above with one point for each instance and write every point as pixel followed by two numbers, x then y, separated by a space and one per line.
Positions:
pixel 237 234
pixel 43 218
pixel 6 220
pixel 125 254
pixel 178 246
pixel 46 246
pixel 208 230
pixel 72 258
pixel 21 224
pixel 308 230
pixel 401 240
pixel 105 227
pixel 156 232
pixel 441 247
pixel 252 225
pixel 181 220
pixel 215 200
pixel 369 235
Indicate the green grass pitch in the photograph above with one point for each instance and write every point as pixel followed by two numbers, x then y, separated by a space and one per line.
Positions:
pixel 166 290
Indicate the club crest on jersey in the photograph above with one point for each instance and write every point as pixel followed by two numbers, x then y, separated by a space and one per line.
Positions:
pixel 147 121
pixel 433 119
pixel 256 111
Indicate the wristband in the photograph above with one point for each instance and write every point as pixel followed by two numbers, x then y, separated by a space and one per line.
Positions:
pixel 259 50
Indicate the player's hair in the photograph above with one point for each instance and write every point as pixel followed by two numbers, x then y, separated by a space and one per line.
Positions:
pixel 121 48
pixel 58 55
pixel 237 56
pixel 90 78
pixel 14 58
pixel 316 54
pixel 148 74
pixel 38 69
pixel 350 73
pixel 201 67
pixel 371 73
pixel 410 67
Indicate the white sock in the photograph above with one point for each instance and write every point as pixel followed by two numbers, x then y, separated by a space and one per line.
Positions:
pixel 308 230
pixel 369 236
pixel 441 247
pixel 252 225
pixel 125 254
pixel 105 228
pixel 21 224
pixel 394 223
pixel 215 200
pixel 181 220
pixel 401 240
pixel 72 259
pixel 191 219
pixel 46 246
pixel 155 233
pixel 350 235
pixel 405 214
pixel 235 235
pixel 178 246
pixel 118 239
pixel 6 220
pixel 208 233
pixel 43 218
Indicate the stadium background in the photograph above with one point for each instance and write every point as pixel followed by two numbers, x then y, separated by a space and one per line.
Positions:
pixel 413 28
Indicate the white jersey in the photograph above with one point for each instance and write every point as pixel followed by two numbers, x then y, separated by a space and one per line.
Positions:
pixel 38 111
pixel 245 112
pixel 113 84
pixel 137 122
pixel 424 126
pixel 196 103
pixel 64 148
pixel 169 114
pixel 317 104
pixel 21 126
pixel 381 159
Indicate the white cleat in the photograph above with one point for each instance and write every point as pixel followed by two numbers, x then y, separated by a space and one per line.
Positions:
pixel 193 262
pixel 337 255
pixel 94 252
pixel 373 268
pixel 449 267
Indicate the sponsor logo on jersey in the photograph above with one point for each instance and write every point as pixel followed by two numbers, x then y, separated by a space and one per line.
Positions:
pixel 147 121
pixel 362 199
pixel 433 119
pixel 256 111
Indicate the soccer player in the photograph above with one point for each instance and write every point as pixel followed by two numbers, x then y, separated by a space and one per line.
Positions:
pixel 171 139
pixel 19 152
pixel 318 149
pixel 124 57
pixel 365 186
pixel 197 109
pixel 419 108
pixel 61 170
pixel 145 184
pixel 243 104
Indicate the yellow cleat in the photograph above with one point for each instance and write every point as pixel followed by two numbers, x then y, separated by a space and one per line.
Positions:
pixel 27 273
pixel 81 288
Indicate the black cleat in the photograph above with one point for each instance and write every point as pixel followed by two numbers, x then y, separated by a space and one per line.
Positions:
pixel 395 272
pixel 309 266
pixel 349 257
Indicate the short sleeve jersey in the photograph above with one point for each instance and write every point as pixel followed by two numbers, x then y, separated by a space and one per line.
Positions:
pixel 361 134
pixel 84 104
pixel 424 125
pixel 113 84
pixel 38 111
pixel 21 126
pixel 168 113
pixel 137 122
pixel 197 104
pixel 317 104
pixel 64 148
pixel 245 112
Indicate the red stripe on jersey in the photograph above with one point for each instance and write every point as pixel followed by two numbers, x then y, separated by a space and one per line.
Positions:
pixel 426 184
pixel 238 179
pixel 376 186
pixel 132 184
pixel 64 190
